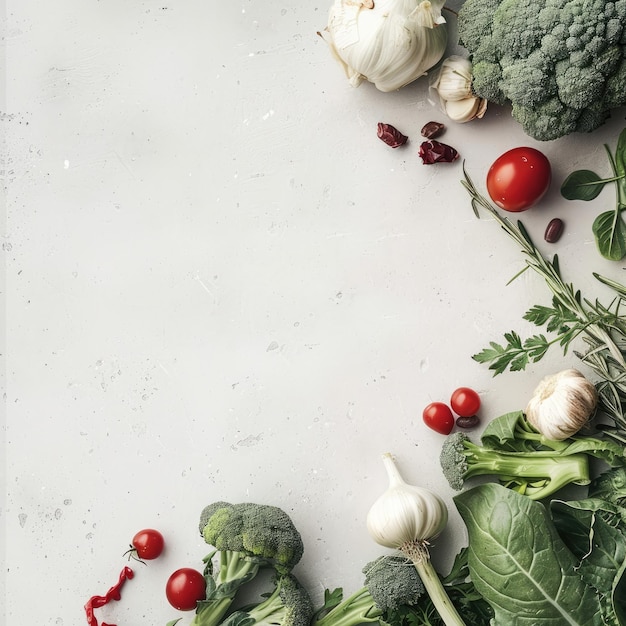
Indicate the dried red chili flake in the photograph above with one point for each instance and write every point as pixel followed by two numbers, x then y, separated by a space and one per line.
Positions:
pixel 436 152
pixel 391 135
pixel 114 593
pixel 432 130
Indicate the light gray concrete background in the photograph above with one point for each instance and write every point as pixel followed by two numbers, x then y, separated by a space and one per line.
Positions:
pixel 220 284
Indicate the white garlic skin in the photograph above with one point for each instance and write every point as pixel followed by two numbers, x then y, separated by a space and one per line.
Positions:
pixel 389 43
pixel 562 404
pixel 405 513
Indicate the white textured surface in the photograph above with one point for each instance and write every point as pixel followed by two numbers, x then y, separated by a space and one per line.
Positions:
pixel 221 285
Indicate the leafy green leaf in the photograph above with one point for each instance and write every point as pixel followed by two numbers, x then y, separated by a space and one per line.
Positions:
pixel 593 531
pixel 582 185
pixel 610 233
pixel 519 564
pixel 500 433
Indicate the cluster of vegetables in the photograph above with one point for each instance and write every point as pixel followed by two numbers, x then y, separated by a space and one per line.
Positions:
pixel 560 65
pixel 580 577
pixel 534 556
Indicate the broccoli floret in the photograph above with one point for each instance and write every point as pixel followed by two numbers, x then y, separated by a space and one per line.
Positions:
pixel 537 474
pixel 288 605
pixel 261 532
pixel 561 64
pixel 246 538
pixel 391 582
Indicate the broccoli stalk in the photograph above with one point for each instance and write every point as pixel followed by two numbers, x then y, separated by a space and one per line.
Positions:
pixel 536 474
pixel 524 459
pixel 391 582
pixel 288 605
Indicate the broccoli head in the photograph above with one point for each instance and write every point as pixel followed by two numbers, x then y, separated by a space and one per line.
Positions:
pixel 537 474
pixel 260 532
pixel 561 64
pixel 288 605
pixel 391 582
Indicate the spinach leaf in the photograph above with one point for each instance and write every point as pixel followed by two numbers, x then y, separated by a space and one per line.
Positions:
pixel 608 228
pixel 609 231
pixel 520 565
pixel 582 185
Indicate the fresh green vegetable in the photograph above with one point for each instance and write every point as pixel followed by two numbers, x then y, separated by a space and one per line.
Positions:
pixel 519 563
pixel 535 474
pixel 407 518
pixel 262 534
pixel 288 605
pixel 472 607
pixel 609 228
pixel 561 64
pixel 595 532
pixel 391 582
pixel 524 460
pixel 602 328
pixel 246 538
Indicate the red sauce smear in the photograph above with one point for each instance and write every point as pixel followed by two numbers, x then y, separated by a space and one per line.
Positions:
pixel 114 593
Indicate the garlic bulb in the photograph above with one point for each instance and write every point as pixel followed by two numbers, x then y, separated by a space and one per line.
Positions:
pixel 388 42
pixel 406 518
pixel 405 513
pixel 451 87
pixel 562 404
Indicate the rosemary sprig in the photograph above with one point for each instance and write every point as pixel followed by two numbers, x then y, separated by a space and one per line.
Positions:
pixel 602 329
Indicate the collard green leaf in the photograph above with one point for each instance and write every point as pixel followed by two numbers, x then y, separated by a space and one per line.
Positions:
pixel 520 565
pixel 609 231
pixel 582 185
pixel 594 531
pixel 500 432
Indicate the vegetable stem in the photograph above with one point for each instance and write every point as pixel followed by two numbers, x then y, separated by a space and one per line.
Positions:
pixel 417 552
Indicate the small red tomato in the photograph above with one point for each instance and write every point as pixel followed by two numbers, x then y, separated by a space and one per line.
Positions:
pixel 185 588
pixel 147 544
pixel 465 402
pixel 438 416
pixel 519 178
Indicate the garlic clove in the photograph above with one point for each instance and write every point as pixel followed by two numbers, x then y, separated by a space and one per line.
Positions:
pixel 462 110
pixel 562 404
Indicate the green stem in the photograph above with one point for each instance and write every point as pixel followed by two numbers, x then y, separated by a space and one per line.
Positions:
pixel 417 552
pixel 357 609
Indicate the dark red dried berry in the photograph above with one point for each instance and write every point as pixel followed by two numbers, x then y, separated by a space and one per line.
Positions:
pixel 436 152
pixel 554 230
pixel 432 130
pixel 391 135
pixel 467 422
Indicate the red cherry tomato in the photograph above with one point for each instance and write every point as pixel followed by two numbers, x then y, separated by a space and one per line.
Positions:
pixel 185 588
pixel 465 402
pixel 438 416
pixel 148 544
pixel 518 179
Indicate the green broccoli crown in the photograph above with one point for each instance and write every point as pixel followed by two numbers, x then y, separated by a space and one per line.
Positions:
pixel 453 460
pixel 560 63
pixel 297 605
pixel 256 530
pixel 393 581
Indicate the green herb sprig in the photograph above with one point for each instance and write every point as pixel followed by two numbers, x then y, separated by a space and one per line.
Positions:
pixel 602 329
pixel 609 229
